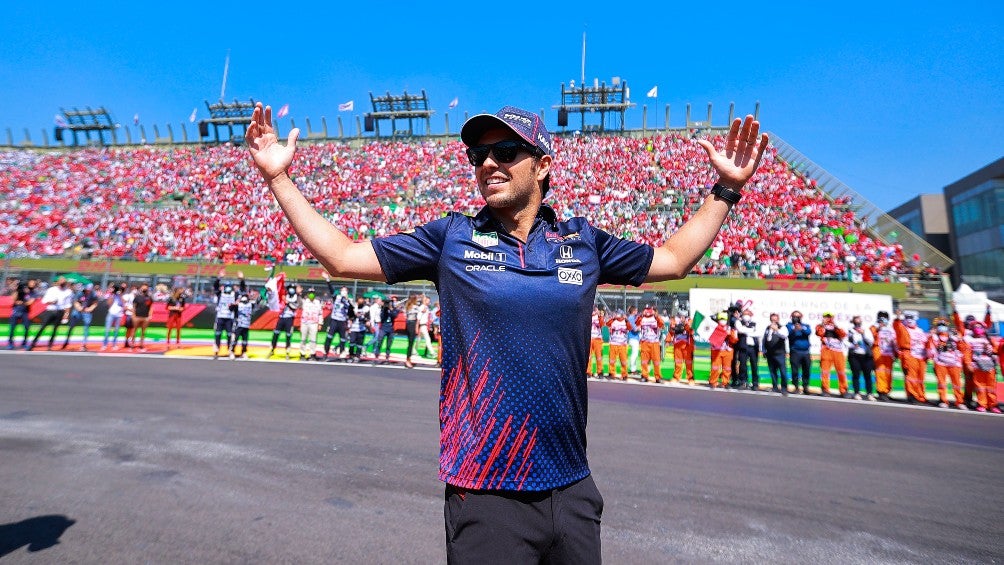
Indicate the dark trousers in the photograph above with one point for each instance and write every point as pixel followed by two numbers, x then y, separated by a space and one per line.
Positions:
pixel 749 359
pixel 411 327
pixel 735 367
pixel 241 335
pixel 53 318
pixel 800 367
pixel 554 526
pixel 862 365
pixel 778 370
pixel 356 343
pixel 224 325
pixel 19 317
pixel 385 334
pixel 339 328
pixel 283 325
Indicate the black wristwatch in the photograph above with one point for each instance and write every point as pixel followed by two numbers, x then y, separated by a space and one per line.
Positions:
pixel 726 193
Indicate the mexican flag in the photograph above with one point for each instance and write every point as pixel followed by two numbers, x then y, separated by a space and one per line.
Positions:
pixel 276 292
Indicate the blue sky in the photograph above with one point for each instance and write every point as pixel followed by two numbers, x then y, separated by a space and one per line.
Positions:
pixel 895 99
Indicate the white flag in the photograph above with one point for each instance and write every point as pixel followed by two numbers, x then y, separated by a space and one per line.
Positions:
pixel 454 102
pixel 192 117
pixel 654 93
pixel 347 107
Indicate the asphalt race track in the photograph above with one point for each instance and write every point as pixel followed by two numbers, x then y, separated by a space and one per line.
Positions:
pixel 171 460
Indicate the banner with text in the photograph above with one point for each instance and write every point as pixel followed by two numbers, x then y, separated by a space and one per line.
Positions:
pixel 843 306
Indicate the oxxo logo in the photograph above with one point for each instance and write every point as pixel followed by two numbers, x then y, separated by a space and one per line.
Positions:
pixel 569 276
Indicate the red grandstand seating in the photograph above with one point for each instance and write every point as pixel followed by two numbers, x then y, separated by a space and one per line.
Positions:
pixel 207 202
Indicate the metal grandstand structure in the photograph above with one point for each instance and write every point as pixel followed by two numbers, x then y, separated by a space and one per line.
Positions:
pixel 86 122
pixel 222 114
pixel 874 219
pixel 409 107
pixel 597 99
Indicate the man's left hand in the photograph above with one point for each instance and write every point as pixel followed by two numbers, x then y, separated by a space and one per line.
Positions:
pixel 741 155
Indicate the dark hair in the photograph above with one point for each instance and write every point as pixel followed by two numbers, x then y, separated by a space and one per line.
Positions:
pixel 545 186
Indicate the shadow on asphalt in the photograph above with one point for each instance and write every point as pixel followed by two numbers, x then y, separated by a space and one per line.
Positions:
pixel 38 533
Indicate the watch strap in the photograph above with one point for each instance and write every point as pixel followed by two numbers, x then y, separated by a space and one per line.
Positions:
pixel 725 193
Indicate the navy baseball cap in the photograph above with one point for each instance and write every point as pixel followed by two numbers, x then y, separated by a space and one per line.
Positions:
pixel 527 125
pixel 523 123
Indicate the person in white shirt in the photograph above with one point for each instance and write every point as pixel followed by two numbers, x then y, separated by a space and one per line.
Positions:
pixel 374 314
pixel 116 309
pixel 424 320
pixel 860 342
pixel 58 300
pixel 310 319
pixel 129 306
pixel 748 349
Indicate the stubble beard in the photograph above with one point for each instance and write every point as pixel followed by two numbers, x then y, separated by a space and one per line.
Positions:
pixel 514 198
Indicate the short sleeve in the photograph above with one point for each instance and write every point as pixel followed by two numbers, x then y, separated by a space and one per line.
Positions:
pixel 622 261
pixel 413 255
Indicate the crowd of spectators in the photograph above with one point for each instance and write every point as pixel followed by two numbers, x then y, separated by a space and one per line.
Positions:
pixel 206 203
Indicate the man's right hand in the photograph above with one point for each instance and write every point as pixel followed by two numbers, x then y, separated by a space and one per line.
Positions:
pixel 271 158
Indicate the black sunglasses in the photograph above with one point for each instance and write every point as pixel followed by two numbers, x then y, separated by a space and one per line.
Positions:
pixel 504 151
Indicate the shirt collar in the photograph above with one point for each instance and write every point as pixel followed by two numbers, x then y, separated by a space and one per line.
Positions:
pixel 484 220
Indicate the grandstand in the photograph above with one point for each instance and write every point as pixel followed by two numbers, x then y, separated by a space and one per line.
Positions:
pixel 204 203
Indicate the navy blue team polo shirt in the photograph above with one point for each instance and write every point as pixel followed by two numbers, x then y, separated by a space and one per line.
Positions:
pixel 515 330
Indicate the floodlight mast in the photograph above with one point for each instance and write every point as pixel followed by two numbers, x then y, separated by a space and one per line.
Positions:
pixel 411 107
pixel 228 115
pixel 87 121
pixel 598 98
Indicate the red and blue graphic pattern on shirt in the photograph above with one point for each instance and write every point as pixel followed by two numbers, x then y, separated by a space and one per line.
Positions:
pixel 516 329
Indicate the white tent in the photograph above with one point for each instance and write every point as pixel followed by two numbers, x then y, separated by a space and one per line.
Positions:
pixel 969 302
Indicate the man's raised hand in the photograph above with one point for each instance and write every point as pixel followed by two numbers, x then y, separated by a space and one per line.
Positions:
pixel 741 155
pixel 271 158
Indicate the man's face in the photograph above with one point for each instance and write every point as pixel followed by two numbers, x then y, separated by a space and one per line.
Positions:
pixel 509 185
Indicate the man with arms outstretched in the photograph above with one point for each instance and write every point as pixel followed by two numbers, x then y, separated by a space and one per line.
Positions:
pixel 517 289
